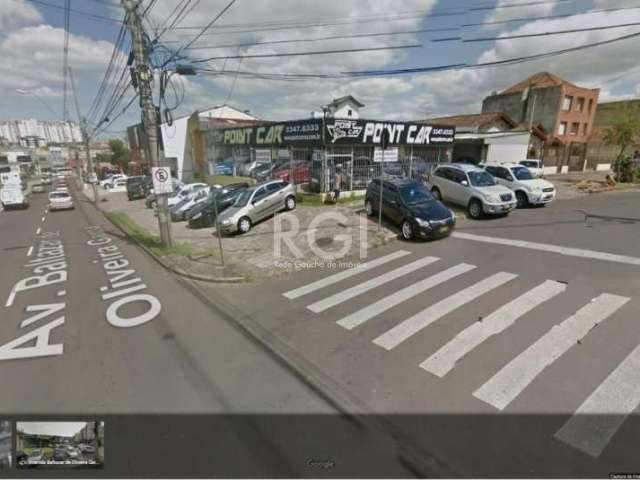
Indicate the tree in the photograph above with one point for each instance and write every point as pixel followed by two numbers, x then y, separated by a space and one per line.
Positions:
pixel 624 131
pixel 120 154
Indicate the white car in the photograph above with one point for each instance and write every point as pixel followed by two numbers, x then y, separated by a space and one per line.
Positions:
pixel 534 166
pixel 12 196
pixel 60 201
pixel 471 187
pixel 110 180
pixel 180 209
pixel 119 185
pixel 183 192
pixel 528 190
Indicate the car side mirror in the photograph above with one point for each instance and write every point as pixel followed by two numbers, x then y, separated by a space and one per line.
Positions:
pixel 464 183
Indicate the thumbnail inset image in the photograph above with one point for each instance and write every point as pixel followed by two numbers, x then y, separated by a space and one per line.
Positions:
pixel 5 444
pixel 59 444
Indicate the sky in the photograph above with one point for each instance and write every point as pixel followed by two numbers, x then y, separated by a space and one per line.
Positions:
pixel 32 34
pixel 61 429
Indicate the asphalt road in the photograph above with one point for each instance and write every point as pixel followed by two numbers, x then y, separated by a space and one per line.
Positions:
pixel 79 336
pixel 510 349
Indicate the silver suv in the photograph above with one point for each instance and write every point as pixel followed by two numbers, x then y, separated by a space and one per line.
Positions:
pixel 257 203
pixel 473 188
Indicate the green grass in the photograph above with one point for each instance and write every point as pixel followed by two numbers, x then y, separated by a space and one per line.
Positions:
pixel 227 179
pixel 315 200
pixel 144 237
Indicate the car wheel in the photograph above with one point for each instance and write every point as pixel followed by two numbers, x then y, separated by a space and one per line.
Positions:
pixel 522 199
pixel 290 203
pixel 407 230
pixel 436 193
pixel 475 209
pixel 369 208
pixel 244 225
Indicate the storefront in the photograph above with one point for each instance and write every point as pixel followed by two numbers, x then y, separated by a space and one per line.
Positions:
pixel 314 153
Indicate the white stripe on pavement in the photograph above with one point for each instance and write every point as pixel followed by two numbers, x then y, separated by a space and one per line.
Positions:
pixel 444 360
pixel 426 317
pixel 38 231
pixel 331 279
pixel 30 251
pixel 358 318
pixel 361 288
pixel 596 421
pixel 545 247
pixel 509 382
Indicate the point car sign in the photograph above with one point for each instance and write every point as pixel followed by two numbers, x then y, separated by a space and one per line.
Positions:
pixel 370 132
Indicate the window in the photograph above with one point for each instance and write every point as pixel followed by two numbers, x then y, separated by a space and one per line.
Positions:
pixel 590 104
pixel 580 104
pixel 350 112
pixel 260 194
pixel 274 187
pixel 585 129
pixel 562 128
pixel 457 176
pixel 575 128
pixel 567 102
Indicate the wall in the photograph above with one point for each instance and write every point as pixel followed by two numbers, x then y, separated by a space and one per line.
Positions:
pixel 343 111
pixel 581 117
pixel 547 105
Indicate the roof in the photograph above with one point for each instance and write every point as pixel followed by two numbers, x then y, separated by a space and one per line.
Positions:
pixel 539 80
pixel 538 130
pixel 339 101
pixel 399 181
pixel 472 120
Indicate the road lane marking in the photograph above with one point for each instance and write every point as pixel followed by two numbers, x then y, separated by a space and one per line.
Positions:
pixel 426 317
pixel 38 231
pixel 43 219
pixel 509 382
pixel 12 296
pixel 444 360
pixel 361 316
pixel 361 288
pixel 597 420
pixel 331 279
pixel 545 247
pixel 30 251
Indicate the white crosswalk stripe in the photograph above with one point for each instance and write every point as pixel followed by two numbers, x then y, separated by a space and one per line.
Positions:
pixel 361 316
pixel 423 319
pixel 444 360
pixel 337 277
pixel 361 288
pixel 509 382
pixel 600 416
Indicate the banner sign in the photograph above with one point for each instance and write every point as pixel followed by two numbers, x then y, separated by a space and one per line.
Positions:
pixel 389 155
pixel 368 132
pixel 281 134
pixel 338 132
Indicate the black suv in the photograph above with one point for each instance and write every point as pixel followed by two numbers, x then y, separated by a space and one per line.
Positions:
pixel 409 204
pixel 138 186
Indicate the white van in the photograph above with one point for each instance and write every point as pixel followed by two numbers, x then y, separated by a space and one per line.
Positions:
pixel 12 196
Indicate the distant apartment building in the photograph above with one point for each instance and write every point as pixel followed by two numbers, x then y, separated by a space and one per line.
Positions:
pixel 34 133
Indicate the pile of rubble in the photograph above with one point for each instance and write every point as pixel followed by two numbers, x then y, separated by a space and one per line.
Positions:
pixel 596 186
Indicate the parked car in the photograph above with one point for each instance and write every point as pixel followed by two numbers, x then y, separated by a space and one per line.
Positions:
pixel 183 192
pixel 409 204
pixel 35 455
pixel 204 215
pixel 46 180
pixel 138 186
pixel 110 180
pixel 219 193
pixel 528 189
pixel 224 168
pixel 256 204
pixel 179 211
pixel 301 172
pixel 60 454
pixel 471 187
pixel 119 185
pixel 38 188
pixel 60 201
pixel 262 171
pixel 73 453
pixel 87 449
pixel 534 166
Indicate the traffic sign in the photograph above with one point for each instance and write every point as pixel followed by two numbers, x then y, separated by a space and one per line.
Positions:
pixel 161 180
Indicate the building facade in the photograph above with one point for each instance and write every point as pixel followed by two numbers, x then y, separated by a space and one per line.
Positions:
pixel 34 133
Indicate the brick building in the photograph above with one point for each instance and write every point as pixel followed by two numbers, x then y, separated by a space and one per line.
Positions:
pixel 565 110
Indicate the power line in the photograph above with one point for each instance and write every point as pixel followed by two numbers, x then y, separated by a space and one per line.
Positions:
pixel 304 54
pixel 335 37
pixel 519 4
pixel 65 58
pixel 82 13
pixel 542 34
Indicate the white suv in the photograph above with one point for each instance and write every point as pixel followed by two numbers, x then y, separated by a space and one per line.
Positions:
pixel 528 190
pixel 473 188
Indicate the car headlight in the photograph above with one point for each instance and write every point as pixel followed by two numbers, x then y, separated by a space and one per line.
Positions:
pixel 423 223
pixel 226 221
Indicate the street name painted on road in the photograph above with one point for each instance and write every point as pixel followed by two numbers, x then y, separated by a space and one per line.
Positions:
pixel 50 267
pixel 122 283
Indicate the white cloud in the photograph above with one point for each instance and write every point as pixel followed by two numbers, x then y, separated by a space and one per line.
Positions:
pixel 503 11
pixel 17 13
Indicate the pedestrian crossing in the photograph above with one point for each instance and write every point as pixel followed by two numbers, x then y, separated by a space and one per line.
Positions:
pixel 592 425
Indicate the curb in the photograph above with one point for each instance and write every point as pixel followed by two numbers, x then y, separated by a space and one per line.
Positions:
pixel 166 265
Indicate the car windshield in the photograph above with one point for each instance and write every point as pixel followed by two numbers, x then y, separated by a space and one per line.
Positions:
pixel 415 194
pixel 244 197
pixel 59 195
pixel 522 173
pixel 528 163
pixel 481 179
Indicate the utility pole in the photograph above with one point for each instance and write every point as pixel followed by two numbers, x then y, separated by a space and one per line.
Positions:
pixel 90 168
pixel 149 115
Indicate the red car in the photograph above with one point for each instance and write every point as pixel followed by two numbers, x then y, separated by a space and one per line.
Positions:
pixel 301 172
